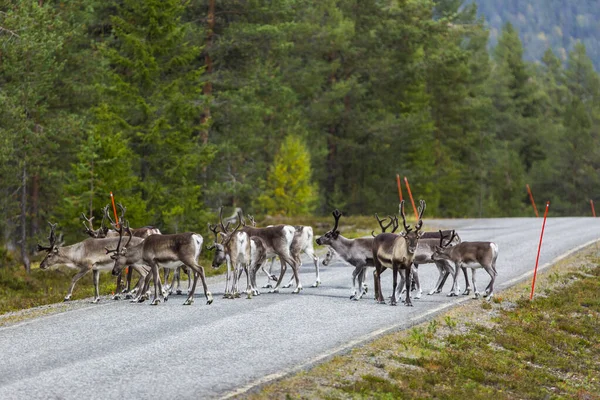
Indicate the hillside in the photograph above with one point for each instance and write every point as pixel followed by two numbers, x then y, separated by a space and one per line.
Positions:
pixel 542 23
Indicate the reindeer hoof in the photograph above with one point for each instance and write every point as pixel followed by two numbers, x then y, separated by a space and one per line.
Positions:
pixel 95 300
pixel 178 292
pixel 353 297
pixel 451 294
pixel 188 302
pixel 316 284
pixel 273 277
pixel 380 301
pixel 155 302
pixel 297 290
pixel 128 296
pixel 116 297
pixel 287 286
pixel 408 304
pixel 67 299
pixel 267 286
pixel 274 291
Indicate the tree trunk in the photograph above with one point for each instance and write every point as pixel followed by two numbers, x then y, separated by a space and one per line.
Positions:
pixel 207 89
pixel 24 255
pixel 35 205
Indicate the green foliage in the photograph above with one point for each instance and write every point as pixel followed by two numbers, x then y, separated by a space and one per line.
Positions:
pixel 178 112
pixel 289 189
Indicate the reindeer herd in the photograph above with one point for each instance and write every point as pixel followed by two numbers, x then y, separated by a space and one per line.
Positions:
pixel 247 249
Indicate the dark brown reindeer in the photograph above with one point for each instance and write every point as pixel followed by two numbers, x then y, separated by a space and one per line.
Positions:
pixel 396 252
pixel 472 255
pixel 166 251
pixel 88 255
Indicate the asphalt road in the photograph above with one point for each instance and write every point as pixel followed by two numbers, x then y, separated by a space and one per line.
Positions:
pixel 116 349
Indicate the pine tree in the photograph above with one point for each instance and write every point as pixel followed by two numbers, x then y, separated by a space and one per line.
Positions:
pixel 289 189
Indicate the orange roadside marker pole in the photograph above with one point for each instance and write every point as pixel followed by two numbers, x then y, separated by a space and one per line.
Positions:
pixel 112 199
pixel 537 260
pixel 593 210
pixel 532 202
pixel 399 186
pixel 411 199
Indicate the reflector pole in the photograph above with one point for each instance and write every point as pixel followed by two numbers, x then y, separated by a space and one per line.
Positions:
pixel 112 199
pixel 537 260
pixel 532 202
pixel 411 199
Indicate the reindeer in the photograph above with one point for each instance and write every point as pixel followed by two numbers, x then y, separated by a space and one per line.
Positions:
pixel 245 253
pixel 104 232
pixel 356 252
pixel 472 255
pixel 396 252
pixel 302 243
pixel 277 241
pixel 88 255
pixel 235 251
pixel 166 251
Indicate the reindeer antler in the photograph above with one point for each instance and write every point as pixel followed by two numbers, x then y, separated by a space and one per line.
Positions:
pixel 406 227
pixel 51 238
pixel 419 223
pixel 383 228
pixel 336 215
pixel 251 219
pixel 442 237
pixel 89 228
pixel 213 229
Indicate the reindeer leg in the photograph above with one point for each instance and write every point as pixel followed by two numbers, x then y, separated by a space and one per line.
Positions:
pixel 119 288
pixel 129 275
pixel 156 300
pixel 209 297
pixel 408 273
pixel 355 276
pixel 393 301
pixel 455 290
pixel 415 279
pixel 477 294
pixel 377 284
pixel 283 268
pixel 296 263
pixel 77 277
pixel 268 273
pixel 467 285
pixel 318 278
pixel 96 276
pixel 489 290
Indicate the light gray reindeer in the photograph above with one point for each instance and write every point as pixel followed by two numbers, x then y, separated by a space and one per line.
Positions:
pixel 88 255
pixel 472 255
pixel 166 251
pixel 302 243
pixel 396 252
pixel 356 252
pixel 244 253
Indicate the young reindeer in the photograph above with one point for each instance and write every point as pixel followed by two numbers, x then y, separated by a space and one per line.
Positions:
pixel 396 252
pixel 244 253
pixel 234 250
pixel 472 255
pixel 277 241
pixel 88 255
pixel 302 243
pixel 166 251
pixel 356 252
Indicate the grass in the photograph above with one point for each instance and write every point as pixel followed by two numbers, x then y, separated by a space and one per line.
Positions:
pixel 509 348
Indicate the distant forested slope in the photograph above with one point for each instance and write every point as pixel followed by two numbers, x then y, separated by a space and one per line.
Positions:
pixel 547 23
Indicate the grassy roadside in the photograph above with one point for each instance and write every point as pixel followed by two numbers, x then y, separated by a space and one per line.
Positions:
pixel 509 348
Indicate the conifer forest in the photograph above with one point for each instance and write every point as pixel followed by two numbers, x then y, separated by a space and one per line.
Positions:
pixel 283 107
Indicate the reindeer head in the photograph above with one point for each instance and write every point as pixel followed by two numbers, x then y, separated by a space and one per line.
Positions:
pixel 412 237
pixel 442 252
pixel 220 248
pixel 53 255
pixel 333 234
pixel 119 253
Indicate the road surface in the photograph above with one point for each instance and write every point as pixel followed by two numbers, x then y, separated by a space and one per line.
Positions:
pixel 120 350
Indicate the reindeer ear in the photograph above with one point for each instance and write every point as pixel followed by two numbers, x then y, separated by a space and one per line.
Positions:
pixel 336 234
